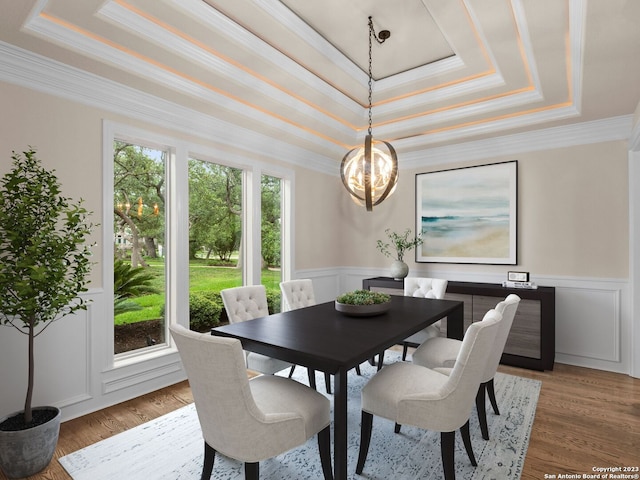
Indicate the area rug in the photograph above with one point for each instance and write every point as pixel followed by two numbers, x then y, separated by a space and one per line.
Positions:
pixel 171 447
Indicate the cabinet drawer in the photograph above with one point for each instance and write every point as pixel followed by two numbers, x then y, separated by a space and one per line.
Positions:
pixel 468 303
pixel 390 291
pixel 525 335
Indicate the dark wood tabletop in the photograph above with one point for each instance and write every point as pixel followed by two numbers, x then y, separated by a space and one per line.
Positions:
pixel 321 338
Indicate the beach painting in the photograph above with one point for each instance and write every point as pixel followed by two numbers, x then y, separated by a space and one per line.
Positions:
pixel 468 215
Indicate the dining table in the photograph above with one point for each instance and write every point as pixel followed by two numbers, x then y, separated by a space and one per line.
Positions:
pixel 321 338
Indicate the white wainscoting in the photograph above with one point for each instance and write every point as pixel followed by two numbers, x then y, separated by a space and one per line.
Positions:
pixel 593 319
pixel 63 362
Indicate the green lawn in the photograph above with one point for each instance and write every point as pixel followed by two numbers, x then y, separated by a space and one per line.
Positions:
pixel 202 277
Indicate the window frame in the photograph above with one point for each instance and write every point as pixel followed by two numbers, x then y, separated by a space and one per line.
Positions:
pixel 177 225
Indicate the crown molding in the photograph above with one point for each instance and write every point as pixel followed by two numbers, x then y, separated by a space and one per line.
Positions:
pixel 213 19
pixel 597 131
pixel 333 127
pixel 29 70
pixel 444 117
pixel 42 74
pixel 154 33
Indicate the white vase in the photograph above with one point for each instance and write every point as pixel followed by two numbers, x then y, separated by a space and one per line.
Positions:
pixel 399 270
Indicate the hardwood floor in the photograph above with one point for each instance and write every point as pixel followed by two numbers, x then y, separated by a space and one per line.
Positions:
pixel 585 419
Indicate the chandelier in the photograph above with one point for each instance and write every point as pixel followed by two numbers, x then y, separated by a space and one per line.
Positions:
pixel 370 172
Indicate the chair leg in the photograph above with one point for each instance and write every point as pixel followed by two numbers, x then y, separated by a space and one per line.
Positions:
pixel 466 439
pixel 492 396
pixel 209 457
pixel 358 370
pixel 293 367
pixel 397 428
pixel 365 438
pixel 481 407
pixel 312 378
pixel 251 471
pixel 405 349
pixel 324 446
pixel 447 448
pixel 327 382
pixel 380 360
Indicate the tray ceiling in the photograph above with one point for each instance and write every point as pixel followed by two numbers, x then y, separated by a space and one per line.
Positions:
pixel 452 70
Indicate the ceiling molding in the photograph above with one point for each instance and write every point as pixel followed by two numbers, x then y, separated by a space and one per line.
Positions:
pixel 525 39
pixel 434 69
pixel 634 138
pixel 39 73
pixel 440 94
pixel 29 70
pixel 166 77
pixel 577 27
pixel 611 129
pixel 439 118
pixel 162 37
pixel 324 129
pixel 213 19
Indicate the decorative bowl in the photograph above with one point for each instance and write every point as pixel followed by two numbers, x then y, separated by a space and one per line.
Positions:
pixel 363 310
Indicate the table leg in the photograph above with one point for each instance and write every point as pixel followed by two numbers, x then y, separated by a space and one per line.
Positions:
pixel 455 323
pixel 340 425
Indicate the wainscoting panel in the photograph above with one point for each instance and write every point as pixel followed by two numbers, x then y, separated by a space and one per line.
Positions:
pixel 588 323
pixel 326 283
pixel 62 363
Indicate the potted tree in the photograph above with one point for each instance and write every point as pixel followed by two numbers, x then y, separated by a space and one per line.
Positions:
pixel 44 262
pixel 401 243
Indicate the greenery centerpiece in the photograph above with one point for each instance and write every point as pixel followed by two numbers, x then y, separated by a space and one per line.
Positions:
pixel 44 262
pixel 398 244
pixel 362 303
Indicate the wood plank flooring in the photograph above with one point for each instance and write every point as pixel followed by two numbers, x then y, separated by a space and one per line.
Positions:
pixel 585 419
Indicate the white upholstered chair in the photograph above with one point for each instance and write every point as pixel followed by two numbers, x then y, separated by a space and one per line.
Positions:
pixel 441 353
pixel 409 394
pixel 247 303
pixel 299 294
pixel 248 420
pixel 424 288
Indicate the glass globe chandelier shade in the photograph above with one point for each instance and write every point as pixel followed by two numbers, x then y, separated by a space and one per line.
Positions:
pixel 370 172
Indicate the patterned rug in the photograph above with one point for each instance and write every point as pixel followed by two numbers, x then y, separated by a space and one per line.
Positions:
pixel 171 447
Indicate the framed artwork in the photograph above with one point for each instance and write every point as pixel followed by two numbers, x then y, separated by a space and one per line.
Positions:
pixel 468 215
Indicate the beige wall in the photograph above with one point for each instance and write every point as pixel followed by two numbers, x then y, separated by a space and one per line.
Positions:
pixel 572 213
pixel 66 137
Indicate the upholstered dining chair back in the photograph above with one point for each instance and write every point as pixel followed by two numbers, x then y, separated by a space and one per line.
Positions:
pixel 465 378
pixel 248 303
pixel 245 303
pixel 248 420
pixel 507 308
pixel 441 354
pixel 297 293
pixel 425 287
pixel 228 415
pixel 409 394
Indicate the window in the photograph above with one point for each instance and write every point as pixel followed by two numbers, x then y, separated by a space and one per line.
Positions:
pixel 215 236
pixel 271 232
pixel 185 226
pixel 139 181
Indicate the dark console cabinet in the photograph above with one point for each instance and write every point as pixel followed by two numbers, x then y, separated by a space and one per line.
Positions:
pixel 531 342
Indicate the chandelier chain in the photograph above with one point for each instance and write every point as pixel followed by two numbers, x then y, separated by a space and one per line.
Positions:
pixel 371 33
